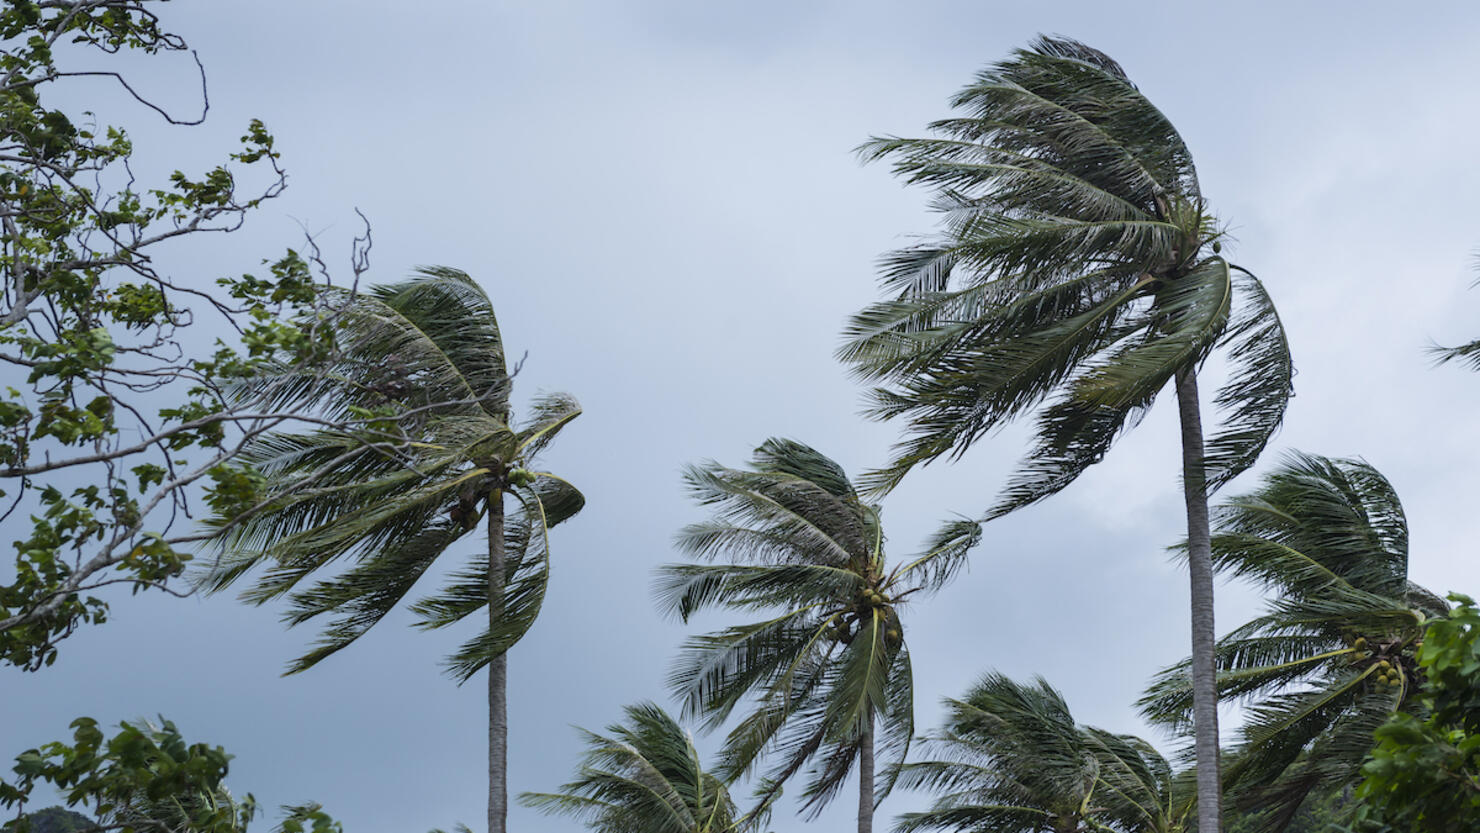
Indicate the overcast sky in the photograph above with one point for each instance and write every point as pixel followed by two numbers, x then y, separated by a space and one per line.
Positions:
pixel 662 200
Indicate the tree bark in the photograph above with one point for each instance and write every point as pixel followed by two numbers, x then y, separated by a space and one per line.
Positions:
pixel 1200 569
pixel 498 715
pixel 866 776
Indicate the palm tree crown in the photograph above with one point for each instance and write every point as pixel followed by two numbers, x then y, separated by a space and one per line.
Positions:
pixel 1078 264
pixel 791 537
pixel 421 368
pixel 1011 759
pixel 645 777
pixel 1333 655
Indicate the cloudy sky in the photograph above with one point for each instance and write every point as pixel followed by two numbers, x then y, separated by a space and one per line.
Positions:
pixel 662 200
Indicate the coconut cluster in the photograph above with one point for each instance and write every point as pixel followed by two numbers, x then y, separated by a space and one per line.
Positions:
pixel 845 626
pixel 1392 668
pixel 1388 675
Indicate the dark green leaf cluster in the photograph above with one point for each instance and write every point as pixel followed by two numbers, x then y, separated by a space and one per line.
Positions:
pixel 50 820
pixel 1328 813
pixel 1424 773
pixel 145 777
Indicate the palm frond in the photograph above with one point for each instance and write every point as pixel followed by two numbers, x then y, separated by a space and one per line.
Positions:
pixel 978 379
pixel 863 674
pixel 684 589
pixel 453 314
pixel 526 578
pixel 812 522
pixel 714 672
pixel 1465 354
pixel 896 733
pixel 1254 399
pixel 361 597
pixel 549 413
pixel 945 554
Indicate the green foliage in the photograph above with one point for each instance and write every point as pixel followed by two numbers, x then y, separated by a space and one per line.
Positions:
pixel 1424 773
pixel 1326 813
pixel 51 820
pixel 104 395
pixel 646 777
pixel 419 446
pixel 795 543
pixel 1077 272
pixel 143 778
pixel 1335 653
pixel 1011 758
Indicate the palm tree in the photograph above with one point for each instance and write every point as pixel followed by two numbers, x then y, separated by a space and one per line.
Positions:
pixel 1078 275
pixel 1011 759
pixel 829 664
pixel 646 777
pixel 421 368
pixel 1333 655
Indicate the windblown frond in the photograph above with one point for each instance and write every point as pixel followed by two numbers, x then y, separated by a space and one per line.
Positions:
pixel 421 382
pixel 548 502
pixel 1465 354
pixel 1259 387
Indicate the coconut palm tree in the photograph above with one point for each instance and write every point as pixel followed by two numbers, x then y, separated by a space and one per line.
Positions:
pixel 420 369
pixel 1079 273
pixel 1332 657
pixel 1011 759
pixel 646 777
pixel 828 666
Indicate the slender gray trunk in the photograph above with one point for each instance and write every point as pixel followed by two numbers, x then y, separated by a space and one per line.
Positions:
pixel 498 714
pixel 1200 568
pixel 866 777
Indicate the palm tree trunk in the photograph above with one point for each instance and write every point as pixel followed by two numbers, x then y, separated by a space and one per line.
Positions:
pixel 1200 567
pixel 866 776
pixel 498 715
